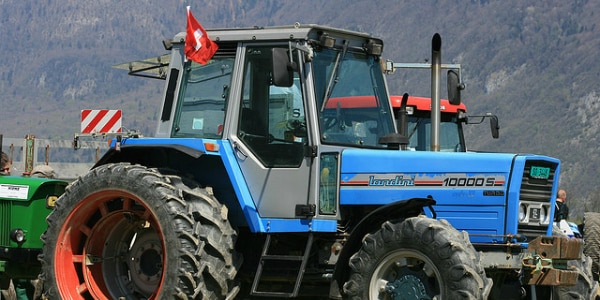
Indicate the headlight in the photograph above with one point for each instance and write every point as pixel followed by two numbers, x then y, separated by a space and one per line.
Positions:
pixel 522 212
pixel 545 214
pixel 17 235
pixel 50 200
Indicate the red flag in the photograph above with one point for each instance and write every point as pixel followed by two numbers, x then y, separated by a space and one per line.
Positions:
pixel 198 47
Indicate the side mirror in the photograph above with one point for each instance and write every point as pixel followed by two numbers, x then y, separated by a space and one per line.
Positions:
pixel 479 119
pixel 494 126
pixel 282 68
pixel 454 87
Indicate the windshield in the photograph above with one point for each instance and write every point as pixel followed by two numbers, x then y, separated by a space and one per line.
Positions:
pixel 419 132
pixel 352 100
pixel 204 89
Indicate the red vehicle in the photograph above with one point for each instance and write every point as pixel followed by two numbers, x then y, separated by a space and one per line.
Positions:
pixel 418 129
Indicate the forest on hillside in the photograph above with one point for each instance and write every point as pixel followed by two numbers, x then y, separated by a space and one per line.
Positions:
pixel 531 63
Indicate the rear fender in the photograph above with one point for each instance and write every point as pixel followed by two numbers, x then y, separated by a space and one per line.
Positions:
pixel 192 163
pixel 206 170
pixel 157 156
pixel 394 211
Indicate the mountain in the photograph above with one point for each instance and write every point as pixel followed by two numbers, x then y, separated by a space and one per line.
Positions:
pixel 534 64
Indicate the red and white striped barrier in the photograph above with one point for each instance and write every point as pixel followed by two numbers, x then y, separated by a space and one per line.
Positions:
pixel 101 121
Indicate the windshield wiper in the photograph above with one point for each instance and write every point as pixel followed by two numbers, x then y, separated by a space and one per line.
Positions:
pixel 417 124
pixel 334 79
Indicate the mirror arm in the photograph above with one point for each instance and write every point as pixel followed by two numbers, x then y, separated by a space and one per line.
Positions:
pixel 480 119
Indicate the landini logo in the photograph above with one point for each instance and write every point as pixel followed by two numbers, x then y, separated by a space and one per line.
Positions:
pixel 397 181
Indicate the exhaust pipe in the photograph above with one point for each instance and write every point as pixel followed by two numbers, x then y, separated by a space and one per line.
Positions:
pixel 436 74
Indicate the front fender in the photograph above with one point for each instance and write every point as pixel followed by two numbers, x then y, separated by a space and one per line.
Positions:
pixel 394 211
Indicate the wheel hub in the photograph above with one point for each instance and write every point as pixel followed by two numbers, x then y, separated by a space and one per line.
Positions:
pixel 405 274
pixel 407 285
pixel 145 261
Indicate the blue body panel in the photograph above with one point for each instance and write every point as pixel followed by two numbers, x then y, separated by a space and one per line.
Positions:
pixel 192 143
pixel 473 191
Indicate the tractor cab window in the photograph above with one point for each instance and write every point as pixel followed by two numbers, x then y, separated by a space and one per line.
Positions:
pixel 352 101
pixel 419 133
pixel 272 120
pixel 205 88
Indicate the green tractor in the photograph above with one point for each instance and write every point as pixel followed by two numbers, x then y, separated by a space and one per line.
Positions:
pixel 24 205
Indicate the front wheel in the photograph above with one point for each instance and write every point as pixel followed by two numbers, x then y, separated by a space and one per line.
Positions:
pixel 417 258
pixel 130 232
pixel 585 287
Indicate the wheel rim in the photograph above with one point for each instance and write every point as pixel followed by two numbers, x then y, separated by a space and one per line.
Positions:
pixel 110 247
pixel 405 274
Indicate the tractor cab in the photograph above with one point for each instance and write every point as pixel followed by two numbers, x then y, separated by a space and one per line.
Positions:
pixel 269 104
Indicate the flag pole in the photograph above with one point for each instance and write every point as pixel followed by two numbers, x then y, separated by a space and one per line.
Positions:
pixel 187 22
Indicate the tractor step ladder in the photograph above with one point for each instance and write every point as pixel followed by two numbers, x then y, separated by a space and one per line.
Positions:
pixel 265 256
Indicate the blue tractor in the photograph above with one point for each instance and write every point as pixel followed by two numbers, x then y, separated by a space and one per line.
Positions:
pixel 267 176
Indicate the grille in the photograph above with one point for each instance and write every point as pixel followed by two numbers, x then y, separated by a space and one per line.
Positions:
pixel 5 213
pixel 536 191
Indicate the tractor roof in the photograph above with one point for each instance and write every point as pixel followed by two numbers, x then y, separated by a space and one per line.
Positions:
pixel 156 67
pixel 272 33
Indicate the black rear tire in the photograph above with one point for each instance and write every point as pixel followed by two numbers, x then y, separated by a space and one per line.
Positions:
pixel 585 288
pixel 591 240
pixel 129 231
pixel 417 258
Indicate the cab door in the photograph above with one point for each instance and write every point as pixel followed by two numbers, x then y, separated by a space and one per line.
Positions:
pixel 272 138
